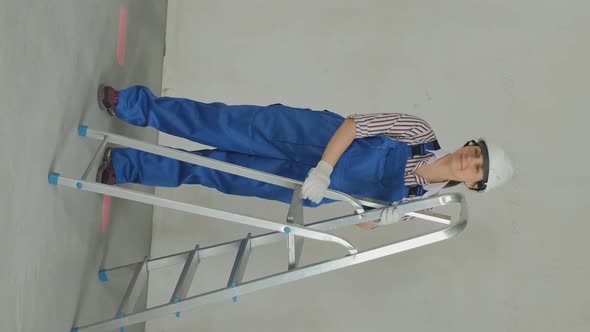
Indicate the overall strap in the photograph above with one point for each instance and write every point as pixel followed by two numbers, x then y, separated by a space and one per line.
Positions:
pixel 420 150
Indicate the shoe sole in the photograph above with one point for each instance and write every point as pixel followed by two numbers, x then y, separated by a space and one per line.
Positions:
pixel 100 98
pixel 106 159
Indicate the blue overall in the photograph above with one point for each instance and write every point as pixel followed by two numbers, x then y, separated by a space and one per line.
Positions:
pixel 275 139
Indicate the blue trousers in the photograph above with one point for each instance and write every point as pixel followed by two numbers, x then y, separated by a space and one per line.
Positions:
pixel 276 139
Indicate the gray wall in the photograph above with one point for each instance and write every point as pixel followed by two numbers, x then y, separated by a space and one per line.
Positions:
pixel 515 72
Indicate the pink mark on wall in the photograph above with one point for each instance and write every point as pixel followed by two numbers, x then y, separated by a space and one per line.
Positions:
pixel 106 213
pixel 122 39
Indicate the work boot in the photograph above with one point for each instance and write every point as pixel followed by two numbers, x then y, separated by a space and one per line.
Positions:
pixel 106 172
pixel 107 98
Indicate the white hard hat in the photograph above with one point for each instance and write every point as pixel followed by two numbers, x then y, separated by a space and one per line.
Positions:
pixel 499 167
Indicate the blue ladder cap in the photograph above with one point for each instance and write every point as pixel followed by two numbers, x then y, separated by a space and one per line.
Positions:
pixel 176 300
pixel 74 329
pixel 121 315
pixel 233 285
pixel 79 185
pixel 102 275
pixel 53 178
pixel 287 230
pixel 82 131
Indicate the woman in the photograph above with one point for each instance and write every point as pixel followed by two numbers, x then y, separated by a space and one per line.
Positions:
pixel 386 157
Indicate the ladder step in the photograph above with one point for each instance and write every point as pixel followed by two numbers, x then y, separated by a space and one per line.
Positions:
pixel 186 277
pixel 134 290
pixel 295 216
pixel 237 272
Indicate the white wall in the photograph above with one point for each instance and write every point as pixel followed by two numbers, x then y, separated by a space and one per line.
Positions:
pixel 513 71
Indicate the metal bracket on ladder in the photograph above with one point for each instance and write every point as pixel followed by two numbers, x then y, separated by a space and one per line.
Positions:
pixel 295 216
pixel 295 229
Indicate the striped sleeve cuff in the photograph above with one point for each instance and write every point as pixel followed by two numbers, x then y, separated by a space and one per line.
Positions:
pixel 368 125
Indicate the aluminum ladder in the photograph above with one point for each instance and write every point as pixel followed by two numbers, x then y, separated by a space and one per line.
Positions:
pixel 292 232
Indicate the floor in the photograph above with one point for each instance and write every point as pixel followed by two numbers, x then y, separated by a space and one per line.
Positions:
pixel 53 240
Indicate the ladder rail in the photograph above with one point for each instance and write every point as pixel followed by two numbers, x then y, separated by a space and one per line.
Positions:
pixel 196 209
pixel 273 237
pixel 215 164
pixel 356 203
pixel 292 275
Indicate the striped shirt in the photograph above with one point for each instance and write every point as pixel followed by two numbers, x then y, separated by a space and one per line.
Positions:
pixel 402 127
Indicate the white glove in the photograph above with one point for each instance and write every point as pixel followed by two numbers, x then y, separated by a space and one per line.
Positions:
pixel 390 216
pixel 317 182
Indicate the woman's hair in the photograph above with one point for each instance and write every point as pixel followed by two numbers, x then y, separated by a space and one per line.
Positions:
pixel 452 184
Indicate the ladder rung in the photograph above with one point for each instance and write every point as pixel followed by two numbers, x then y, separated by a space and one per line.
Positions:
pixel 425 215
pixel 186 276
pixel 136 286
pixel 295 216
pixel 431 216
pixel 237 272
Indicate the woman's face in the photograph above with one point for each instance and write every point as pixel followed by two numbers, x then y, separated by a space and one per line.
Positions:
pixel 467 165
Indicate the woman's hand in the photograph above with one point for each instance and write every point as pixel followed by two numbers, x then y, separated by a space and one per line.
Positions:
pixel 317 182
pixel 390 215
